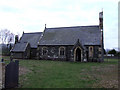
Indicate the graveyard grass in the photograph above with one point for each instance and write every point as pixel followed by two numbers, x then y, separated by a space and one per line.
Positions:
pixel 57 74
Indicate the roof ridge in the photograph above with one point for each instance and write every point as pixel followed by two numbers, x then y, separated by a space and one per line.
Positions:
pixel 33 33
pixel 73 27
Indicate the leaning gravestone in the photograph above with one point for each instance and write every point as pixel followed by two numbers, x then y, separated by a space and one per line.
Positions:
pixel 2 74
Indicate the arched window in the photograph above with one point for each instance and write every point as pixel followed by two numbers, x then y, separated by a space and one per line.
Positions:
pixel 91 51
pixel 44 50
pixel 62 51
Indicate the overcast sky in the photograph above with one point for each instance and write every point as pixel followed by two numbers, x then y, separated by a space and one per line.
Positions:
pixel 32 15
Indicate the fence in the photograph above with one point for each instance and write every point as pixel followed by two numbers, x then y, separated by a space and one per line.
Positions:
pixel 111 57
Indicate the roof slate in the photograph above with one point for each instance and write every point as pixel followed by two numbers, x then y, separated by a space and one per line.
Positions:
pixel 32 38
pixel 19 47
pixel 88 35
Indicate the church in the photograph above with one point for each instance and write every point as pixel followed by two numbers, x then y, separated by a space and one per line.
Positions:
pixel 76 43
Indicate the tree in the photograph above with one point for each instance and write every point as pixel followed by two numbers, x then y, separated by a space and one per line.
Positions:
pixel 113 51
pixel 6 37
pixel 118 54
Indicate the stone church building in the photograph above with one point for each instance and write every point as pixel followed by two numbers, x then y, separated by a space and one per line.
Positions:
pixel 77 43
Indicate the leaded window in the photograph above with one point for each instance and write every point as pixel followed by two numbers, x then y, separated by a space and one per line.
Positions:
pixel 91 51
pixel 44 51
pixel 62 51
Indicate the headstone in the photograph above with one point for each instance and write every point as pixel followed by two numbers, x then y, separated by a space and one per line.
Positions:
pixel 12 74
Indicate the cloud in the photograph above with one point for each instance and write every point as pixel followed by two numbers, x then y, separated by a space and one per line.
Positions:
pixel 31 15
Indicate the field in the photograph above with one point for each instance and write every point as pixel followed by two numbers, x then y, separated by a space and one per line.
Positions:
pixel 57 74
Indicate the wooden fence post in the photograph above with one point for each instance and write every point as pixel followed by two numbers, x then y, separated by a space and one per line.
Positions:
pixel 2 75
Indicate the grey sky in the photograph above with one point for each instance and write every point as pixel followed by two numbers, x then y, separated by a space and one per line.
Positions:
pixel 119 25
pixel 32 15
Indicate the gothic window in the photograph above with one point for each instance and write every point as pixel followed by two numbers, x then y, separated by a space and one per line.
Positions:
pixel 90 48
pixel 61 51
pixel 44 50
pixel 90 51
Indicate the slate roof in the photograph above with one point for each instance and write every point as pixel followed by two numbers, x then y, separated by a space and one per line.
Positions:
pixel 87 35
pixel 19 47
pixel 32 38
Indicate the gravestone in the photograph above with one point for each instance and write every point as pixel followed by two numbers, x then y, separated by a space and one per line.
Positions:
pixel 12 74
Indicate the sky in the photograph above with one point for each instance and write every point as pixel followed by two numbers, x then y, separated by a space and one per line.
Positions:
pixel 119 26
pixel 32 15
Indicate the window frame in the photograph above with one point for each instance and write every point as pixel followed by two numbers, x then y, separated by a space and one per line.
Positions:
pixel 63 51
pixel 91 51
pixel 44 51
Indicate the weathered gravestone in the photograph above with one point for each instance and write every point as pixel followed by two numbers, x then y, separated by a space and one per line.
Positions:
pixel 12 74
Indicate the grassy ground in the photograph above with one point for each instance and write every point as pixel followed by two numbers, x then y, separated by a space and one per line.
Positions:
pixel 56 74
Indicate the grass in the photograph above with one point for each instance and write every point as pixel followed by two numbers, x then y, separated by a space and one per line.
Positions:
pixel 57 74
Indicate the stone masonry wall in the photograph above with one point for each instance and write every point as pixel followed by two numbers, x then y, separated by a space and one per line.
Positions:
pixel 53 53
pixel 2 74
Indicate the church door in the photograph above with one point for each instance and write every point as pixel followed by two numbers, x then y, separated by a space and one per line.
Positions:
pixel 78 54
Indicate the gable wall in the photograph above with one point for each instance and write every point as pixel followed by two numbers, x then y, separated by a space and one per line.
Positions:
pixel 17 55
pixel 21 55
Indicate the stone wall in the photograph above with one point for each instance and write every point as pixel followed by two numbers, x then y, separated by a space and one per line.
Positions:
pixel 53 53
pixel 2 74
pixel 33 53
pixel 16 55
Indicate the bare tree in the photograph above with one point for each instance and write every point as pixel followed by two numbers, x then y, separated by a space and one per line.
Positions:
pixel 6 37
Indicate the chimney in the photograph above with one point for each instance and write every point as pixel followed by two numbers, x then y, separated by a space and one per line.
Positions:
pixel 101 20
pixel 102 37
pixel 16 39
pixel 45 26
